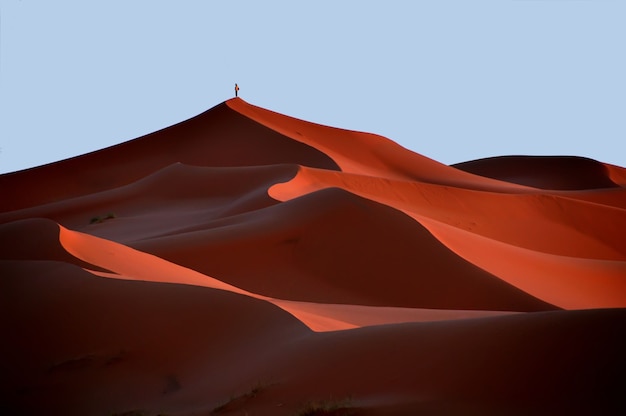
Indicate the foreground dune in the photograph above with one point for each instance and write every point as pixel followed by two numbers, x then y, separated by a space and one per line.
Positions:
pixel 246 262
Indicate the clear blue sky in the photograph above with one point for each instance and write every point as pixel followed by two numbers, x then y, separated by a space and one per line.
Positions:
pixel 452 80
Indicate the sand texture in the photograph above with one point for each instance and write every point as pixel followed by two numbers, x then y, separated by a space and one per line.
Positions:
pixel 244 262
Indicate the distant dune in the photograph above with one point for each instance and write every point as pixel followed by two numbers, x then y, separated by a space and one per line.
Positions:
pixel 244 262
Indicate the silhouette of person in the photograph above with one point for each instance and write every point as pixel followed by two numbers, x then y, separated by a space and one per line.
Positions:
pixel 236 90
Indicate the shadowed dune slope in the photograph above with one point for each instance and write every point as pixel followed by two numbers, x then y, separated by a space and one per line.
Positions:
pixel 525 364
pixel 247 262
pixel 78 344
pixel 187 350
pixel 544 172
pixel 35 239
pixel 217 137
pixel 176 197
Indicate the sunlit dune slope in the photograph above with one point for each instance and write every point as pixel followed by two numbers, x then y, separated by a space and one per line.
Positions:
pixel 247 262
pixel 366 153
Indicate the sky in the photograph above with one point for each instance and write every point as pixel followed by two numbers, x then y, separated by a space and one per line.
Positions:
pixel 451 80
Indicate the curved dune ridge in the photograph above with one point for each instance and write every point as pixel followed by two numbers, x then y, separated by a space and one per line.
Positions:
pixel 247 262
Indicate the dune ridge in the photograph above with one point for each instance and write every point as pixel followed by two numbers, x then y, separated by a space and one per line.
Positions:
pixel 244 261
pixel 545 172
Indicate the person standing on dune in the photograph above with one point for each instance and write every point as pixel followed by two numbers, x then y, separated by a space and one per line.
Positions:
pixel 236 90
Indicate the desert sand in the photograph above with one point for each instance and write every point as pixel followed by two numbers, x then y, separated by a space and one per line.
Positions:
pixel 244 262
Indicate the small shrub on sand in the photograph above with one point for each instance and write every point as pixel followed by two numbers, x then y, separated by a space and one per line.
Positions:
pixel 330 407
pixel 101 218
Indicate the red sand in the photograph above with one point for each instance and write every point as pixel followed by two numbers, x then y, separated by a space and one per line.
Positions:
pixel 246 262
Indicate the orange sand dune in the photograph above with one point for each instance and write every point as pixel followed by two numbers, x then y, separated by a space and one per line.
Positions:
pixel 366 153
pixel 246 262
pixel 109 259
pixel 568 282
pixel 546 222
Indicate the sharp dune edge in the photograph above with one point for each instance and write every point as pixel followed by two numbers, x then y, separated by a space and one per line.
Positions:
pixel 244 262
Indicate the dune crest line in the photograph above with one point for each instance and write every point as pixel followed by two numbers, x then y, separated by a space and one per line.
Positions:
pixel 130 264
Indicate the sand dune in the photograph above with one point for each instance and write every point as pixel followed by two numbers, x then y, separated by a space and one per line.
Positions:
pixel 246 262
pixel 544 172
pixel 219 137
